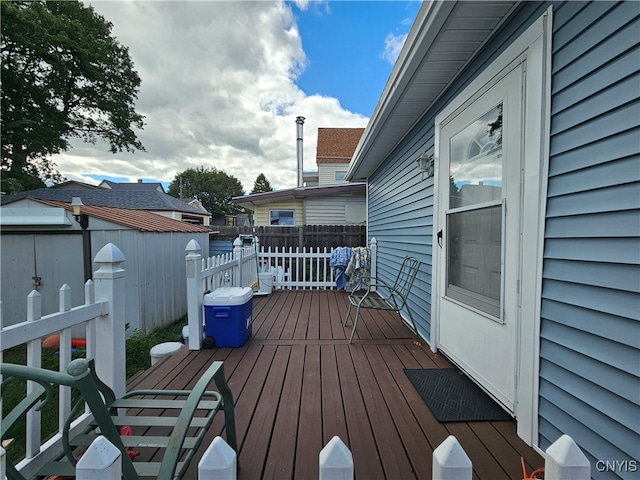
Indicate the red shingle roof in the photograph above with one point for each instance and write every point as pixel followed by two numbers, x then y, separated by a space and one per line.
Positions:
pixel 336 145
pixel 137 219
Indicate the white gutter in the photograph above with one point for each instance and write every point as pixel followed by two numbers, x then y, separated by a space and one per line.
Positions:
pixel 429 22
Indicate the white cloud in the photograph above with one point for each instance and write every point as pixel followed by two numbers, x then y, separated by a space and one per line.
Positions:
pixel 218 90
pixel 392 47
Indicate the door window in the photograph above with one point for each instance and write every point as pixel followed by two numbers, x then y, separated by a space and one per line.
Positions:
pixel 476 214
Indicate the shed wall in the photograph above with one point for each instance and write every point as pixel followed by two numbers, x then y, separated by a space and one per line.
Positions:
pixel 156 270
pixel 55 258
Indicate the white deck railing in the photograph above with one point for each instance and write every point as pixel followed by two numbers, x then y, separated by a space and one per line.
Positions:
pixel 563 461
pixel 288 269
pixel 102 317
pixel 206 274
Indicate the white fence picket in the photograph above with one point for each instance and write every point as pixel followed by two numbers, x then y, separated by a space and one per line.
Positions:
pixel 102 460
pixel 219 462
pixel 34 359
pixel 335 461
pixel 450 461
pixel 564 460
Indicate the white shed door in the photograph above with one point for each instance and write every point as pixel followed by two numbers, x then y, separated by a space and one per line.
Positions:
pixel 478 240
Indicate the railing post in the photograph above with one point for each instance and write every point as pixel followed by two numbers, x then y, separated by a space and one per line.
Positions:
pixel 34 359
pixel 89 299
pixel 450 462
pixel 64 354
pixel 564 460
pixel 236 278
pixel 335 461
pixel 256 251
pixel 101 460
pixel 373 249
pixel 194 294
pixel 110 328
pixel 219 462
pixel 3 463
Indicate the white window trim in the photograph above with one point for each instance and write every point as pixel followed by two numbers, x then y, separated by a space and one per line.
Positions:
pixel 534 46
pixel 292 210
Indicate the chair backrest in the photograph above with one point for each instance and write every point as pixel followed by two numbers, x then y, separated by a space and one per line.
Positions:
pixel 406 275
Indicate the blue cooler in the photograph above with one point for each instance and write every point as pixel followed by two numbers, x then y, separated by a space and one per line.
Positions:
pixel 227 316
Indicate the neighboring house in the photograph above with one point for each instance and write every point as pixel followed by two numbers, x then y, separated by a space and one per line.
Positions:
pixel 335 147
pixel 141 198
pixel 42 248
pixel 326 198
pixel 139 185
pixel 529 226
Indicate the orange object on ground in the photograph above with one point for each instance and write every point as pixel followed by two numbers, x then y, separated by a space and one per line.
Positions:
pixel 54 341
pixel 126 430
pixel 535 475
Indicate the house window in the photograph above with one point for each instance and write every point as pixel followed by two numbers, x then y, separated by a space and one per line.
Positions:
pixel 282 217
pixel 340 175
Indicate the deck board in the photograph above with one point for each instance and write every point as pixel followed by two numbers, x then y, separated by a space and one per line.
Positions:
pixel 297 382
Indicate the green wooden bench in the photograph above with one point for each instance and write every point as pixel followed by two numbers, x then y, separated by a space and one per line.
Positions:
pixel 381 296
pixel 188 414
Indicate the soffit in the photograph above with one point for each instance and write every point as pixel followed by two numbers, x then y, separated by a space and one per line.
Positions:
pixel 444 38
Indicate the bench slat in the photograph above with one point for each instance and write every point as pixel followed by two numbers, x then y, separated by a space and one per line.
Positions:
pixel 161 403
pixel 141 441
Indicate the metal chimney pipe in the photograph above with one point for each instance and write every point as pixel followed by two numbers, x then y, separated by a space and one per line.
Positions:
pixel 299 122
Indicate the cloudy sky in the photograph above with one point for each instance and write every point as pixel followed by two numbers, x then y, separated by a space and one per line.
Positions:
pixel 222 83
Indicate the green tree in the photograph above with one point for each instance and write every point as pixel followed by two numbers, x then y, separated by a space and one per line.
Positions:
pixel 63 76
pixel 214 188
pixel 261 185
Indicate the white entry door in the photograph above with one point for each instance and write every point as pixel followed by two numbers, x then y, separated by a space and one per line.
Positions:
pixel 478 239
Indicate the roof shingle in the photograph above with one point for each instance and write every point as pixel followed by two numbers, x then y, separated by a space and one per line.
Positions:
pixel 336 145
pixel 129 199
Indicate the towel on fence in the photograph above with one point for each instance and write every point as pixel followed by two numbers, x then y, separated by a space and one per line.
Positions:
pixel 359 266
pixel 338 261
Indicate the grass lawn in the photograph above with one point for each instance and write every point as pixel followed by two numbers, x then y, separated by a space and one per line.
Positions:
pixel 138 359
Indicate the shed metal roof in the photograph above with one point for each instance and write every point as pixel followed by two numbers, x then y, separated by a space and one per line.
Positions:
pixel 136 219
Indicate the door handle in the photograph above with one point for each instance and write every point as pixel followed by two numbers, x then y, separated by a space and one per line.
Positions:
pixel 439 237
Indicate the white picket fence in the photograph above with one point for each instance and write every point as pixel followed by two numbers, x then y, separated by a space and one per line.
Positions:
pixel 286 269
pixel 563 461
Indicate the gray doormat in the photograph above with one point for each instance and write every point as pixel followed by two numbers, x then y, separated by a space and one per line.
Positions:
pixel 453 397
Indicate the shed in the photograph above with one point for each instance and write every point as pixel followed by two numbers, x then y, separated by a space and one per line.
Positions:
pixel 42 248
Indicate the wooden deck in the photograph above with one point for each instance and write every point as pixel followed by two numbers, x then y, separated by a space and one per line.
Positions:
pixel 297 383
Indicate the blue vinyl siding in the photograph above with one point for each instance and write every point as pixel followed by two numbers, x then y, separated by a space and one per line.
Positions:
pixel 589 384
pixel 590 311
pixel 401 220
pixel 400 212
